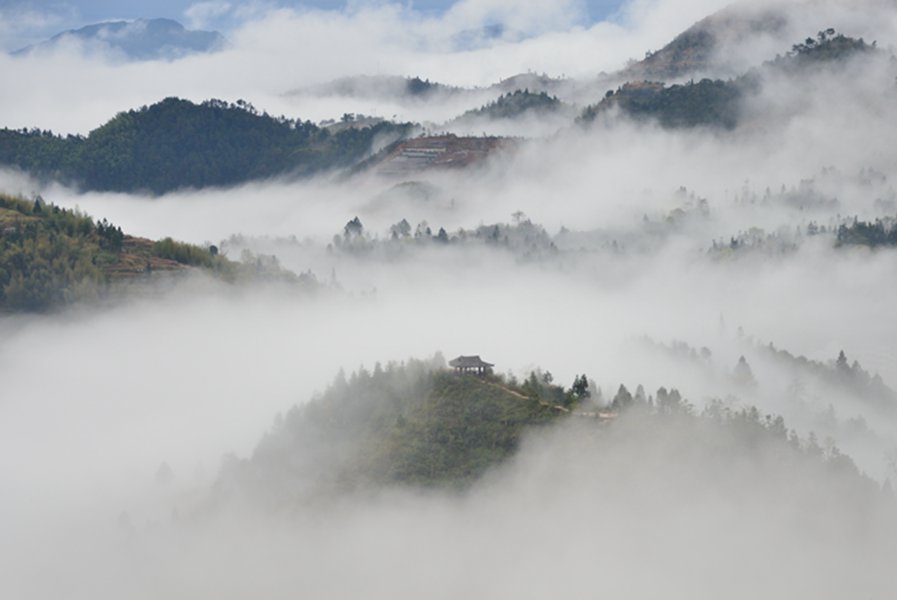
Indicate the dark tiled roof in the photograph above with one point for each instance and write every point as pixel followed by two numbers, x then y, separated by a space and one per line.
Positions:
pixel 469 362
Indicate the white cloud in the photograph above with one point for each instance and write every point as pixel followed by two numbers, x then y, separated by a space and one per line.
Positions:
pixel 189 376
pixel 202 14
pixel 278 50
pixel 525 17
pixel 21 26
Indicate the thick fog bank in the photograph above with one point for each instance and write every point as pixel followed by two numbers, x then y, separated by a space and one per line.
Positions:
pixel 641 509
pixel 636 261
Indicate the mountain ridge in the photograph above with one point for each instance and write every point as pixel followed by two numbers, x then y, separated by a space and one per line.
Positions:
pixel 51 257
pixel 177 144
pixel 139 40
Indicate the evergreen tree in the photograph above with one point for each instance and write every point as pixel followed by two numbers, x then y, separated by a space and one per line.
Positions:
pixel 623 399
pixel 743 374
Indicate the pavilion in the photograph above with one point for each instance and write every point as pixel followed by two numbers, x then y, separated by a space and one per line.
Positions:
pixel 471 365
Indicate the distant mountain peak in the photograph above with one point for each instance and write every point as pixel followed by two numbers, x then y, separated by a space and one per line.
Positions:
pixel 141 39
pixel 720 103
pixel 698 49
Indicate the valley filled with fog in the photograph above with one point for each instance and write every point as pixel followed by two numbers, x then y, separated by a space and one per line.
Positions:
pixel 732 264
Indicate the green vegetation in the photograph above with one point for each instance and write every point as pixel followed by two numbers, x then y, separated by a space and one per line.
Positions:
pixel 418 424
pixel 463 426
pixel 187 254
pixel 51 257
pixel 879 233
pixel 415 86
pixel 690 51
pixel 414 423
pixel 697 48
pixel 827 47
pixel 385 86
pixel 516 104
pixel 842 375
pixel 717 103
pixel 708 102
pixel 177 144
pixel 525 239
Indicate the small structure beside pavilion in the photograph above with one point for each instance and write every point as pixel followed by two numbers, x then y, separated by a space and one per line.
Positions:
pixel 471 365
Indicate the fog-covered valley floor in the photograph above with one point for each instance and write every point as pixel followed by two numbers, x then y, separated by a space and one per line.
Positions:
pixel 140 435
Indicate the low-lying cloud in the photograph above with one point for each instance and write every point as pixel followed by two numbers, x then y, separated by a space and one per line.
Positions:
pixel 666 256
pixel 271 54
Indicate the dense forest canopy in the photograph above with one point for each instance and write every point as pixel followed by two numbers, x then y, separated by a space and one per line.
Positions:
pixel 178 144
pixel 414 423
pixel 515 104
pixel 51 257
pixel 419 424
pixel 878 233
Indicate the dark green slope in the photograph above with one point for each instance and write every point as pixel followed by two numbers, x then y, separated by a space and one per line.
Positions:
pixel 52 257
pixel 516 104
pixel 49 257
pixel 177 144
pixel 420 425
pixel 710 103
pixel 881 233
pixel 463 426
pixel 718 103
pixel 412 424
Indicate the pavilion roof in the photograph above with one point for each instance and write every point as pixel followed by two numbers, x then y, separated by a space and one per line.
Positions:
pixel 469 362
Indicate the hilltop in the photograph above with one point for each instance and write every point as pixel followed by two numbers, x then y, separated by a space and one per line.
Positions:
pixel 720 103
pixel 410 424
pixel 515 105
pixel 176 144
pixel 419 424
pixel 380 86
pixel 729 41
pixel 701 48
pixel 52 257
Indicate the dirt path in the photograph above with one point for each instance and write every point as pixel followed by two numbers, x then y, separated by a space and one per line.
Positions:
pixel 604 416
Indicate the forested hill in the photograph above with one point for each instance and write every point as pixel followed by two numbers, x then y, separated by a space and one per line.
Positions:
pixel 410 424
pixel 51 257
pixel 418 424
pixel 178 144
pixel 699 48
pixel 516 104
pixel 718 103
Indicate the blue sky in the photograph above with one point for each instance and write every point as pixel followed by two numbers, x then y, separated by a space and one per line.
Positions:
pixel 89 11
pixel 101 9
pixel 24 22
